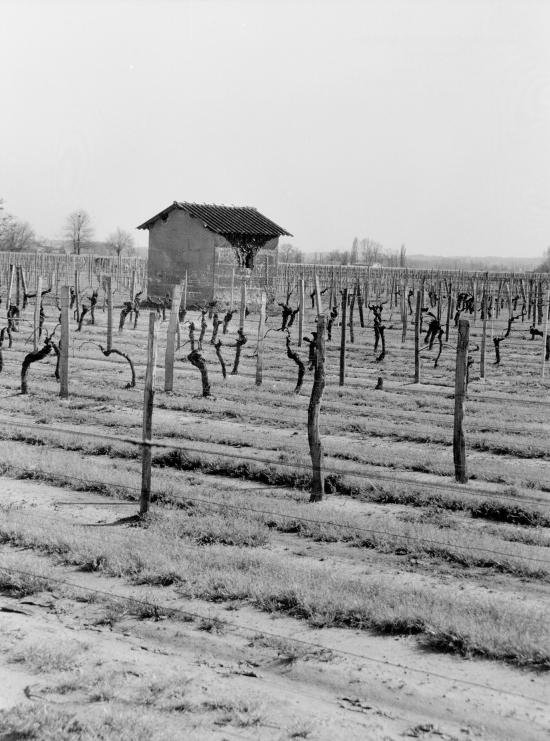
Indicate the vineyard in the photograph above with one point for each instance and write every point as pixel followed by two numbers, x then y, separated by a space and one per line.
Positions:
pixel 398 603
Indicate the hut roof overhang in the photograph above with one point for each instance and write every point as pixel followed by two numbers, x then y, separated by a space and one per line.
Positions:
pixel 238 224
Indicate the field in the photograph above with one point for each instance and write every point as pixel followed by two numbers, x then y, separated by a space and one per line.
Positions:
pixel 402 605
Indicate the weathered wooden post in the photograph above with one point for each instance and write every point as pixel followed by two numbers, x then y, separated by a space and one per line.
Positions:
pixel 314 409
pixel 417 336
pixel 318 302
pixel 109 299
pixel 261 332
pixel 350 322
pixel 360 304
pixel 545 331
pixel 459 444
pixel 147 430
pixel 10 286
pixel 483 334
pixel 184 299
pixel 64 303
pixel 37 304
pixel 301 299
pixel 23 284
pixel 367 288
pixel 404 318
pixel 171 338
pixel 245 275
pixel 132 285
pixel 344 310
pixel 449 310
pixel 232 288
pixel 77 297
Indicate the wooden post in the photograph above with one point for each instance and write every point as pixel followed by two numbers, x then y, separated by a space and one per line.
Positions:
pixel 23 283
pixel 64 303
pixel 148 398
pixel 242 307
pixel 261 332
pixel 545 332
pixel 314 408
pixel 318 302
pixel 351 307
pixel 132 285
pixel 109 297
pixel 417 331
pixel 459 444
pixel 367 288
pixel 171 338
pixel 483 334
pixel 301 298
pixel 77 297
pixel 232 288
pixel 10 287
pixel 37 302
pixel 184 300
pixel 360 304
pixel 404 316
pixel 343 337
pixel 449 310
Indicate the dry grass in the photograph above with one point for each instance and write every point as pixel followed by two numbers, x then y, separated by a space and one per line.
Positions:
pixel 41 659
pixel 493 626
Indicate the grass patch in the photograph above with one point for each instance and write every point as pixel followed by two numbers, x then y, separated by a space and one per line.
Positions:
pixel 41 659
pixel 495 627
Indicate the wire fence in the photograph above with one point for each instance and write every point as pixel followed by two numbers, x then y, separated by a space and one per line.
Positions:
pixel 273 462
pixel 231 625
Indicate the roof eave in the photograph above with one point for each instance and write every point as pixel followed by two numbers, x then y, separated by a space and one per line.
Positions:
pixel 156 217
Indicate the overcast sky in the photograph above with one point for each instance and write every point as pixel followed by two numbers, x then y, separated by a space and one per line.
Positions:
pixel 418 122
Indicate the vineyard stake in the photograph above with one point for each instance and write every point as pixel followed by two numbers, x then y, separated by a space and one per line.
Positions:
pixel 77 298
pixel 37 303
pixel 314 408
pixel 132 285
pixel 459 444
pixel 417 322
pixel 148 398
pixel 109 296
pixel 23 284
pixel 483 334
pixel 343 337
pixel 404 311
pixel 171 338
pixel 449 310
pixel 545 333
pixel 260 351
pixel 351 307
pixel 318 301
pixel 360 305
pixel 65 302
pixel 184 300
pixel 301 296
pixel 242 310
pixel 10 286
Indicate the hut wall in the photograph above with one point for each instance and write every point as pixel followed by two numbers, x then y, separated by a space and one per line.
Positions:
pixel 181 243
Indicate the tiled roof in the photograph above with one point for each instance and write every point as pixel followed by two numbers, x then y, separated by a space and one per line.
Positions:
pixel 225 220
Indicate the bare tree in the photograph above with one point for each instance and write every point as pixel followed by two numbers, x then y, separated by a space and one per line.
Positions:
pixel 120 241
pixel 289 253
pixel 15 235
pixel 78 230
